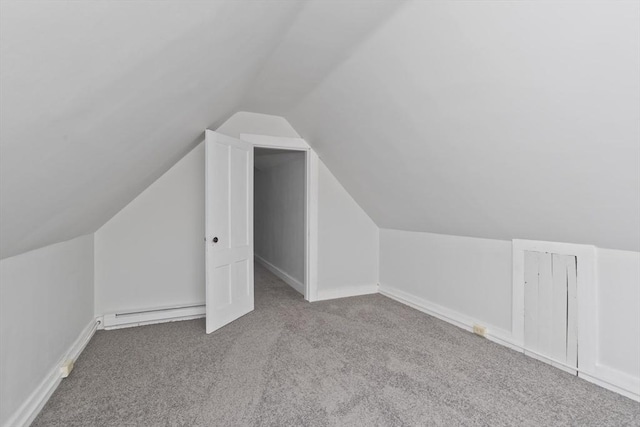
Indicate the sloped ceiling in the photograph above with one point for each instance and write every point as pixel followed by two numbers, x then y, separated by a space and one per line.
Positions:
pixel 100 98
pixel 489 119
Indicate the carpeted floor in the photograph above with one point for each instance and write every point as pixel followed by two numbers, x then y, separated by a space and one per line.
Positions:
pixel 360 361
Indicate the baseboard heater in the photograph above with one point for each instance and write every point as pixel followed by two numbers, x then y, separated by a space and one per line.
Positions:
pixel 153 315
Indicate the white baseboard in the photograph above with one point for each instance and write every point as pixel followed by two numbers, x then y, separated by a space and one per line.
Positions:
pixel 30 409
pixel 499 336
pixel 152 316
pixel 614 380
pixel 605 377
pixel 348 291
pixel 286 278
pixel 549 361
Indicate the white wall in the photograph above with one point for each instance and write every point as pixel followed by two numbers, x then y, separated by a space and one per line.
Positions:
pixel 347 241
pixel 465 118
pixel 619 311
pixel 121 120
pixel 256 123
pixel 279 213
pixel 469 280
pixel 151 254
pixel 467 275
pixel 46 301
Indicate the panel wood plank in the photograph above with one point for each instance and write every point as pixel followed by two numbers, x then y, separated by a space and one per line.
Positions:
pixel 531 260
pixel 572 304
pixel 545 303
pixel 558 349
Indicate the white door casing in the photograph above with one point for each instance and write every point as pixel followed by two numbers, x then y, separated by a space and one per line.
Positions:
pixel 228 229
pixel 311 202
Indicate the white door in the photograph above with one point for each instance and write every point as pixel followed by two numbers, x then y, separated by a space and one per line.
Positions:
pixel 550 309
pixel 228 229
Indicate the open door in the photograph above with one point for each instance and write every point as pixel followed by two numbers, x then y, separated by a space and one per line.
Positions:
pixel 228 228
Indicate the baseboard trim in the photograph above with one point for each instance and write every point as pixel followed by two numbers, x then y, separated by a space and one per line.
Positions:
pixel 606 377
pixel 348 291
pixel 549 361
pixel 30 409
pixel 499 336
pixel 150 316
pixel 614 380
pixel 284 276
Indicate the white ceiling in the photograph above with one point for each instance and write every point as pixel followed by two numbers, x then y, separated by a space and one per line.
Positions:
pixel 100 98
pixel 490 119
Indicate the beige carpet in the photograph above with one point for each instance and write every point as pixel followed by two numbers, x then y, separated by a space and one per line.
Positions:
pixel 359 361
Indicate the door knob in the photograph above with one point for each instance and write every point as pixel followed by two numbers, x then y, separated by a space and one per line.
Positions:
pixel 215 240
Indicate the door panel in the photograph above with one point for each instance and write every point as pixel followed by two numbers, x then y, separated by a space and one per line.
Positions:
pixel 229 229
pixel 238 197
pixel 221 294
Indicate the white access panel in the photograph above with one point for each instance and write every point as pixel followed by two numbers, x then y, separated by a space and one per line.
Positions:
pixel 550 309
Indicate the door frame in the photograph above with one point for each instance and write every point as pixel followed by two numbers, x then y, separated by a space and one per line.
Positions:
pixel 587 309
pixel 311 201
